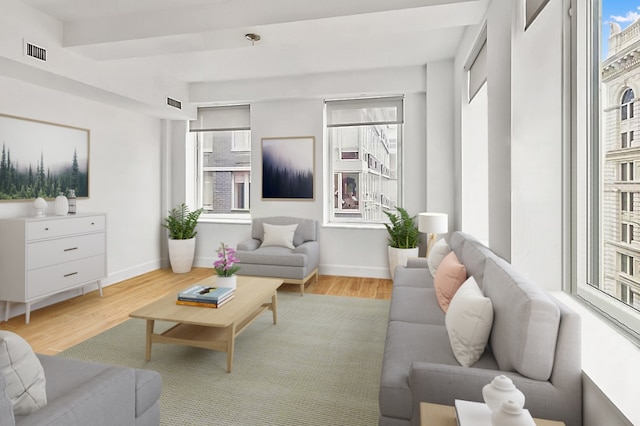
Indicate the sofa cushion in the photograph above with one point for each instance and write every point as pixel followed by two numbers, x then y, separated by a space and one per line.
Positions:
pixel 6 408
pixel 439 250
pixel 23 374
pixel 449 277
pixel 278 235
pixel 271 255
pixel 525 322
pixel 412 277
pixel 413 304
pixel 469 320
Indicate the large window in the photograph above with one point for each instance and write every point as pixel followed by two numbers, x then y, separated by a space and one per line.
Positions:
pixel 606 153
pixel 364 140
pixel 223 147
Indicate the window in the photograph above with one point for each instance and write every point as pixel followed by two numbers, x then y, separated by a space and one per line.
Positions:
pixel 223 146
pixel 604 125
pixel 364 139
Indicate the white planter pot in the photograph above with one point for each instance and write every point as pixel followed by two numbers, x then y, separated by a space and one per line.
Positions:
pixel 229 282
pixel 181 254
pixel 398 257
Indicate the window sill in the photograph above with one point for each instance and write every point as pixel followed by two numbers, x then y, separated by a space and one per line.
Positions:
pixel 608 360
pixel 353 225
pixel 239 221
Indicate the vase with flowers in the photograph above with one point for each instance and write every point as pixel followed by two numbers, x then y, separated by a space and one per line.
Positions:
pixel 225 266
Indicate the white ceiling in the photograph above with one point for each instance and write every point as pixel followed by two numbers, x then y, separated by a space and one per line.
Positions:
pixel 203 40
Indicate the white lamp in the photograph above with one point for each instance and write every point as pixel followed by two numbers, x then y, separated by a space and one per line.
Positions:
pixel 432 224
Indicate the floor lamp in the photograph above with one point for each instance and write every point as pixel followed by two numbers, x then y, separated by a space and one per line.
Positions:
pixel 433 224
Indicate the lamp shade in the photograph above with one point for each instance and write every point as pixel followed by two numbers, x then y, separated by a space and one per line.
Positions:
pixel 433 223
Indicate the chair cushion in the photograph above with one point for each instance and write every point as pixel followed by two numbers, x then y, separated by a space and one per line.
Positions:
pixel 23 374
pixel 278 235
pixel 272 255
pixel 525 322
pixel 306 230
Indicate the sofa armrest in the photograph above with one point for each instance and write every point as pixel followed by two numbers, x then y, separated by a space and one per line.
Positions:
pixel 417 262
pixel 249 245
pixel 443 384
pixel 106 399
pixel 311 249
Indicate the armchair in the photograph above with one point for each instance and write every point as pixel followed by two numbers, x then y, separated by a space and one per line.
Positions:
pixel 282 252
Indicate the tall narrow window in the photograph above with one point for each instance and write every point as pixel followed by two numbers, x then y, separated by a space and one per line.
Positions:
pixel 604 135
pixel 364 144
pixel 223 160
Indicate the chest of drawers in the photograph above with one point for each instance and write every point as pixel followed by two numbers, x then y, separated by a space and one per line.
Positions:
pixel 43 256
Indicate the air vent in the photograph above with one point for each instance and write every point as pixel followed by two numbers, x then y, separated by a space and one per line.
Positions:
pixel 174 103
pixel 35 51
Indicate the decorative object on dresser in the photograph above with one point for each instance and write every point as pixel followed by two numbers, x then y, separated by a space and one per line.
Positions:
pixel 403 238
pixel 181 224
pixel 72 201
pixel 62 205
pixel 44 256
pixel 40 206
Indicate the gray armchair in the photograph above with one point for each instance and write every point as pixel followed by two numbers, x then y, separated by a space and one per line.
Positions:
pixel 295 264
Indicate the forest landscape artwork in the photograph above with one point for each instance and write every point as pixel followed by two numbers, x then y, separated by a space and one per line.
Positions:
pixel 287 168
pixel 40 159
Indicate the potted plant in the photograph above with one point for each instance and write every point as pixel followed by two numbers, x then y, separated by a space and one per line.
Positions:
pixel 403 238
pixel 225 266
pixel 181 224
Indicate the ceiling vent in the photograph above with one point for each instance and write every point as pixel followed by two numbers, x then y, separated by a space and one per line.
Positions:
pixel 174 103
pixel 34 51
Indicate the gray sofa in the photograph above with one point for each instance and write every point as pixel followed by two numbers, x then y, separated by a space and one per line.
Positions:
pixel 535 340
pixel 82 393
pixel 295 265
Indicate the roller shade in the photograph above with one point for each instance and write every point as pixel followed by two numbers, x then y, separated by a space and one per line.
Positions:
pixel 359 112
pixel 478 71
pixel 235 117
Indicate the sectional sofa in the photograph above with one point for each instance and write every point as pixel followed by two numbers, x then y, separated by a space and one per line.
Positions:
pixel 534 340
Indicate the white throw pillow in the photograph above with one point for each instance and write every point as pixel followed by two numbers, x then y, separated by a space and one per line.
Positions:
pixel 23 374
pixel 439 250
pixel 469 320
pixel 278 235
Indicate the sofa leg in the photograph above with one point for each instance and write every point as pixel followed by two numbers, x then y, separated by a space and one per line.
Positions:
pixel 301 289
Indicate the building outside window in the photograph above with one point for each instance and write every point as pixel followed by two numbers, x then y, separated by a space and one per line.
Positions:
pixel 610 158
pixel 364 144
pixel 223 150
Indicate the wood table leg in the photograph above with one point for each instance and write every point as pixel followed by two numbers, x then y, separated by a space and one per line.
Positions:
pixel 147 352
pixel 274 307
pixel 231 340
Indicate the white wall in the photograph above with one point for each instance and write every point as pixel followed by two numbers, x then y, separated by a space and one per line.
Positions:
pixel 124 168
pixel 275 111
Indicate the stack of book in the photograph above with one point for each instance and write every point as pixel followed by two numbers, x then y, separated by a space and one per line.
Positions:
pixel 208 297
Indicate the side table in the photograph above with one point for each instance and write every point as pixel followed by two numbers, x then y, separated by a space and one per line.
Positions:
pixel 445 415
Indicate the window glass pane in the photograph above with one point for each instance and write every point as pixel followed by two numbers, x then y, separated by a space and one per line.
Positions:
pixel 364 159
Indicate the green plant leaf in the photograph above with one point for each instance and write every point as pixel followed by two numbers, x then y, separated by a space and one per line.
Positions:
pixel 182 223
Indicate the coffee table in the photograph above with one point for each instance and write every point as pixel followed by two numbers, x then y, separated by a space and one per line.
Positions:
pixel 211 328
pixel 445 415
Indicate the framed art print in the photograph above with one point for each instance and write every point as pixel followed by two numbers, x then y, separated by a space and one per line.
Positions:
pixel 288 168
pixel 41 159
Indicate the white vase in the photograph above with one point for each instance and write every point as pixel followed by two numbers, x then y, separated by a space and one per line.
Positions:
pixel 398 257
pixel 500 390
pixel 511 414
pixel 181 253
pixel 40 206
pixel 62 205
pixel 229 282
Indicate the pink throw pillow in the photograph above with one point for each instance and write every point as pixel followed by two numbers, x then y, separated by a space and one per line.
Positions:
pixel 449 277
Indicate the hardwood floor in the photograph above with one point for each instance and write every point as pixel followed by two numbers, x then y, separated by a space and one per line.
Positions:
pixel 57 327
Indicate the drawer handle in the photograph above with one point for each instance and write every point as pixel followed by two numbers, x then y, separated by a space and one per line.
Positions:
pixel 71 249
pixel 68 275
pixel 46 229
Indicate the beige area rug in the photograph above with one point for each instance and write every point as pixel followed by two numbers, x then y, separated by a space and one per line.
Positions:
pixel 320 365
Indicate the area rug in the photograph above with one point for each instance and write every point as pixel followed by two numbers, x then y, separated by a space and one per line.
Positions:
pixel 320 365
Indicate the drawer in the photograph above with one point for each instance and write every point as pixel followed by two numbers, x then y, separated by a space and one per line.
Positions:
pixel 39 229
pixel 51 252
pixel 53 279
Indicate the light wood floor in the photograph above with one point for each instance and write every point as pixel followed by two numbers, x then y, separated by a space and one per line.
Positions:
pixel 57 327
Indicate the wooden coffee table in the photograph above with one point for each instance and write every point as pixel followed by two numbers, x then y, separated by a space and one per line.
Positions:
pixel 211 328
pixel 445 415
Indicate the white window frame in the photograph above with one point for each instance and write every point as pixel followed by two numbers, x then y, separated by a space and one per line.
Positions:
pixel 586 207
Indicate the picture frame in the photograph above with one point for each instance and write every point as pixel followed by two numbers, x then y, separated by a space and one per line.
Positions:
pixel 42 159
pixel 532 9
pixel 288 168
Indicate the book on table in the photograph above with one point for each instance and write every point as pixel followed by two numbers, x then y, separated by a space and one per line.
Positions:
pixel 203 304
pixel 206 294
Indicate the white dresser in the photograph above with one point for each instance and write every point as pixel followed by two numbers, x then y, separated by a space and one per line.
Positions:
pixel 42 256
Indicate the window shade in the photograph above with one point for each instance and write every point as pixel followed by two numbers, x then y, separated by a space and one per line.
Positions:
pixel 478 71
pixel 359 112
pixel 235 117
